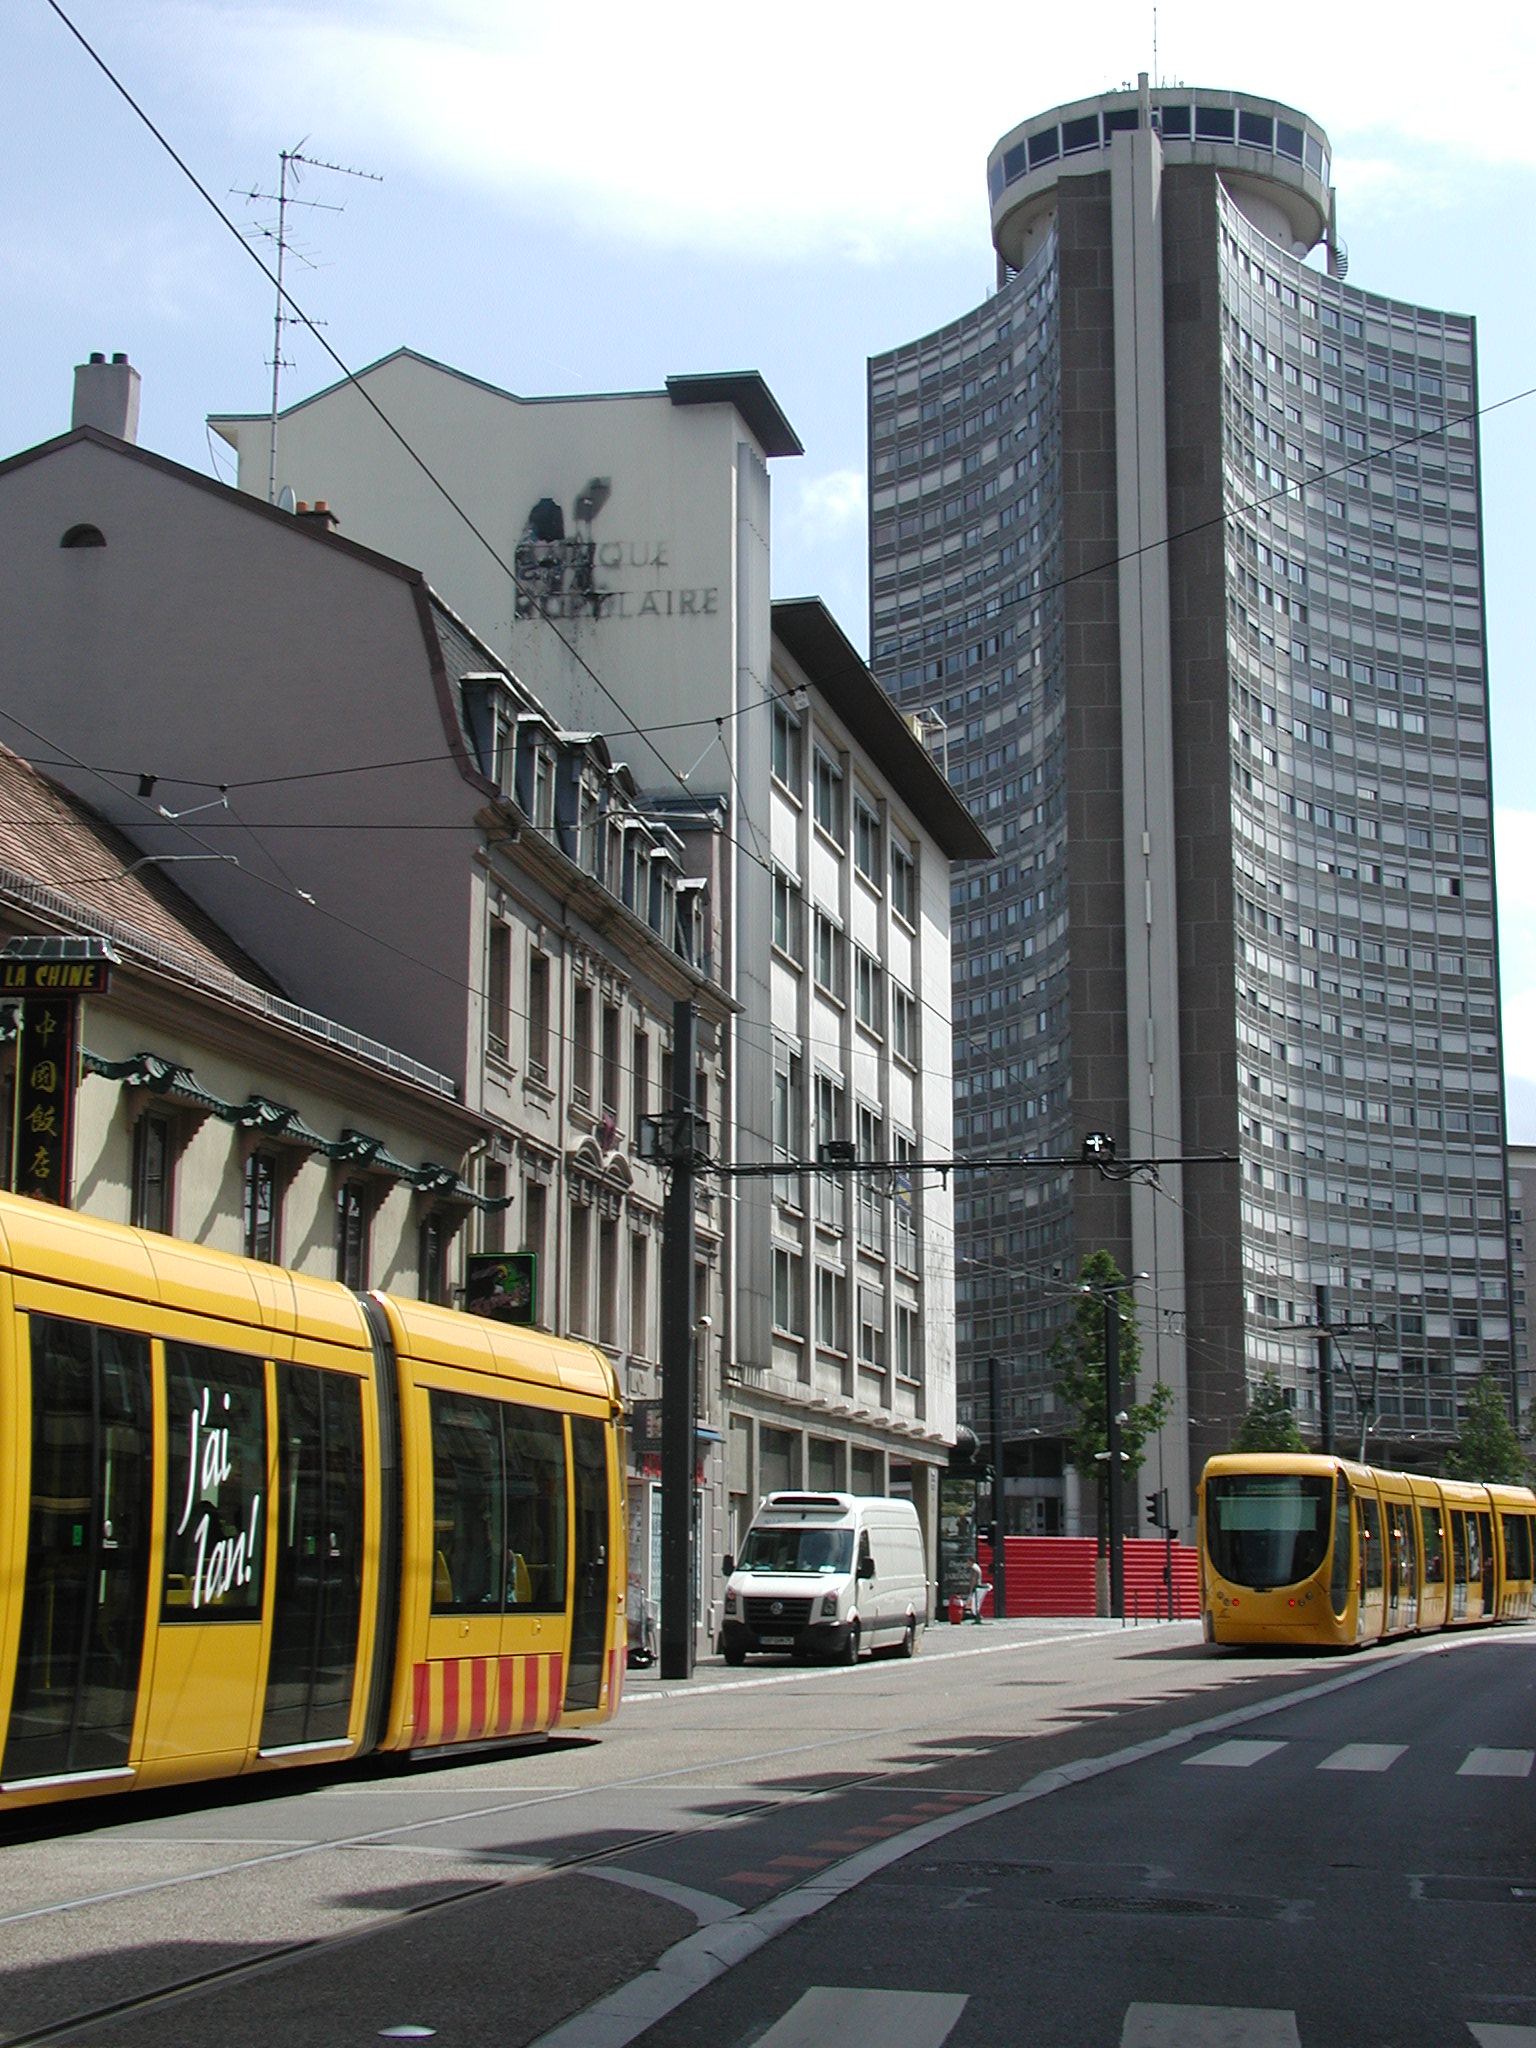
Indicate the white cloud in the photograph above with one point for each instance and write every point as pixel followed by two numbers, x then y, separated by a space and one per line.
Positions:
pixel 828 507
pixel 685 122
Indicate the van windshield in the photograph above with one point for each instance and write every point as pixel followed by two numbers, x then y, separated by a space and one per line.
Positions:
pixel 796 1550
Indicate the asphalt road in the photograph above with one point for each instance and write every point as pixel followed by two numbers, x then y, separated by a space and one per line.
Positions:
pixel 1012 1839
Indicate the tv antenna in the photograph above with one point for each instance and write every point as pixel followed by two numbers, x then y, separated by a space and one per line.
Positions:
pixel 291 163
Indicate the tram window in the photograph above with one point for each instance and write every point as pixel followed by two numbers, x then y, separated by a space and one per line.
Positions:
pixel 1434 1546
pixel 1265 1530
pixel 499 1507
pixel 1458 1548
pixel 215 1530
pixel 1338 1591
pixel 87 1555
pixel 467 1505
pixel 1370 1537
pixel 1517 1546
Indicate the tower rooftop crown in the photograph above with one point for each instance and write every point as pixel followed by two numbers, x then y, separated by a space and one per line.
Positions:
pixel 1275 161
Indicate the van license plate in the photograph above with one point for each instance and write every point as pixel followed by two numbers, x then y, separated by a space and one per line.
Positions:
pixel 778 1642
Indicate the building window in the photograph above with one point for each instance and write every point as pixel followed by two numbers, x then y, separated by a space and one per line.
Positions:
pixel 871 1195
pixel 903 1025
pixel 588 815
pixel 432 1284
pixel 786 747
pixel 501 746
pixel 640 1079
pixel 543 791
pixel 639 1267
pixel 831 1188
pixel 493 1222
pixel 261 1209
pixel 581 1047
pixel 787 1316
pixel 872 1329
pixel 153 1173
pixel 577 1291
pixel 904 1207
pixel 903 884
pixel 906 1335
pixel 611 1063
pixel 831 1309
pixel 608 1282
pixel 829 957
pixel 866 842
pixel 538 1016
pixel 867 990
pixel 788 915
pixel 829 796
pixel 535 1212
pixel 352 1217
pixel 786 1122
pixel 498 988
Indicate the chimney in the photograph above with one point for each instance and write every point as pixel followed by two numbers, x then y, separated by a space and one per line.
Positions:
pixel 107 396
pixel 318 514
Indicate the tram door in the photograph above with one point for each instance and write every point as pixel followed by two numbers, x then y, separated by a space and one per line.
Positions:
pixel 1485 1538
pixel 317 1594
pixel 589 1604
pixel 87 1569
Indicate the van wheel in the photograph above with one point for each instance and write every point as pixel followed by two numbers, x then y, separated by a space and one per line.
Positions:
pixel 850 1651
pixel 735 1658
pixel 909 1640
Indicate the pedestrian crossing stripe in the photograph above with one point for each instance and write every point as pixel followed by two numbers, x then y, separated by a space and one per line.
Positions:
pixel 1208 2026
pixel 1497 1763
pixel 867 2019
pixel 1364 1756
pixel 1236 1755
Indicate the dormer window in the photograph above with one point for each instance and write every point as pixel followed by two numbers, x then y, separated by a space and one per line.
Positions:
pixel 502 731
pixel 543 790
pixel 589 814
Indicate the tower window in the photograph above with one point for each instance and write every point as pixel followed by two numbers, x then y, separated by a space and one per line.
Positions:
pixel 83 537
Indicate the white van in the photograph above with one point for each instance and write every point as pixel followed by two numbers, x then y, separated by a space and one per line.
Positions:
pixel 829 1575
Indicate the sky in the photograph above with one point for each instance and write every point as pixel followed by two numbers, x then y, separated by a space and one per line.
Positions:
pixel 595 197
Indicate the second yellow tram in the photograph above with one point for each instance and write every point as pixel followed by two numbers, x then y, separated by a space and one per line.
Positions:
pixel 250 1519
pixel 1298 1549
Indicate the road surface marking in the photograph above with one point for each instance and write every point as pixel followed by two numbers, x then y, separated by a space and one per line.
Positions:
pixel 1364 1756
pixel 1502 2037
pixel 1497 1763
pixel 707 1954
pixel 704 1906
pixel 867 2019
pixel 1208 2026
pixel 1231 1756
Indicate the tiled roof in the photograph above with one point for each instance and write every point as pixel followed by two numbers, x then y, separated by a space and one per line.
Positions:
pixel 51 838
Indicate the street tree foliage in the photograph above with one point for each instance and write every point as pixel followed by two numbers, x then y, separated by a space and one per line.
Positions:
pixel 1487 1448
pixel 1078 1356
pixel 1269 1425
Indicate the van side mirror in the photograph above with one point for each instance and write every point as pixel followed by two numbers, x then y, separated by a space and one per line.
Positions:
pixel 727 1564
pixel 866 1566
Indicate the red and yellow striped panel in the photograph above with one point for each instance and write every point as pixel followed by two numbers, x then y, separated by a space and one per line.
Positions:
pixel 472 1699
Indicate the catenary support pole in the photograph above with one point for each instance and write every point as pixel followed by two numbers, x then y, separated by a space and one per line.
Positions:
pixel 999 1499
pixel 678 1396
pixel 1112 1445
pixel 1325 1371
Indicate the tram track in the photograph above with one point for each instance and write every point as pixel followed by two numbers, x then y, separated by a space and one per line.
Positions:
pixel 288 1952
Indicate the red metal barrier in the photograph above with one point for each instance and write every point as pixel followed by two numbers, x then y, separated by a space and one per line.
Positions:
pixel 1057 1575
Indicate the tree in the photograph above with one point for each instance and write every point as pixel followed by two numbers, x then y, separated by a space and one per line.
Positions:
pixel 1078 1356
pixel 1487 1448
pixel 1269 1424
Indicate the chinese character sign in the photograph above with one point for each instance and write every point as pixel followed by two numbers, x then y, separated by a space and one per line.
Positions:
pixel 45 1099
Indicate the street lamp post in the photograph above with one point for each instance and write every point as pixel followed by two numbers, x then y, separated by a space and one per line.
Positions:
pixel 1112 1445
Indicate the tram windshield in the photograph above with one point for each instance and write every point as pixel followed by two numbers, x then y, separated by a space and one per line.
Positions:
pixel 1267 1529
pixel 796 1550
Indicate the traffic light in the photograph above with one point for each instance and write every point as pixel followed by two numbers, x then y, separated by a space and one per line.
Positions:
pixel 1157 1509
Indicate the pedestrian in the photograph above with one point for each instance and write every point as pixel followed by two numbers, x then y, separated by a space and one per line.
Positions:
pixel 979 1591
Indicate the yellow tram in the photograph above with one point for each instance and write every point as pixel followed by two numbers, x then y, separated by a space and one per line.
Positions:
pixel 1297 1549
pixel 249 1519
